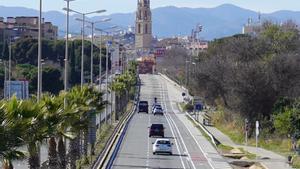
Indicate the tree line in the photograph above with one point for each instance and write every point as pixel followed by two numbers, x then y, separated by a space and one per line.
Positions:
pixel 24 59
pixel 56 119
pixel 29 123
pixel 254 76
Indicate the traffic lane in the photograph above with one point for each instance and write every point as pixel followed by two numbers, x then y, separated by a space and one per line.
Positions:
pixel 133 151
pixel 158 161
pixel 194 152
pixel 163 161
pixel 177 160
pixel 136 149
pixel 214 158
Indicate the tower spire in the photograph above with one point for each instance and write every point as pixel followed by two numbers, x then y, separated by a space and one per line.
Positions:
pixel 143 33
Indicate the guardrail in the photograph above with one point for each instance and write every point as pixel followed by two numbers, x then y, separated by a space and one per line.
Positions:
pixel 107 156
pixel 213 139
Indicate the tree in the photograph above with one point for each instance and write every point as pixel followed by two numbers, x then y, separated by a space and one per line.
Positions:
pixel 53 112
pixel 26 113
pixel 287 118
pixel 11 134
pixel 82 102
pixel 52 81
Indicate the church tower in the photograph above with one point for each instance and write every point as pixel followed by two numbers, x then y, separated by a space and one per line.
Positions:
pixel 143 26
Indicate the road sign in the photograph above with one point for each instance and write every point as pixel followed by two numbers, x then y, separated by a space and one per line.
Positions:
pixel 109 42
pixel 18 88
pixel 198 107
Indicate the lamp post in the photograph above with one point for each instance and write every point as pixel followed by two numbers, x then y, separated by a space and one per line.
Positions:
pixel 9 69
pixel 100 55
pixel 92 41
pixel 39 53
pixel 82 38
pixel 112 74
pixel 106 83
pixel 42 63
pixel 106 69
pixel 67 49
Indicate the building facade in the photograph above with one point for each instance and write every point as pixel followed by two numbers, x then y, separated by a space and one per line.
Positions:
pixel 143 28
pixel 24 26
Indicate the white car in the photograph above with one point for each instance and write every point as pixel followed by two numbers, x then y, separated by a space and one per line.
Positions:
pixel 158 110
pixel 162 146
pixel 155 106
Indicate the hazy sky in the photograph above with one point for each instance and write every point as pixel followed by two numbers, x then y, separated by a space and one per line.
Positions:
pixel 113 6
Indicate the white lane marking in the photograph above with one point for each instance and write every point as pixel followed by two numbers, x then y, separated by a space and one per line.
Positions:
pixel 171 121
pixel 148 146
pixel 205 155
pixel 176 143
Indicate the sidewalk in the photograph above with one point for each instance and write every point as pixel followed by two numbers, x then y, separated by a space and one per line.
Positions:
pixel 267 158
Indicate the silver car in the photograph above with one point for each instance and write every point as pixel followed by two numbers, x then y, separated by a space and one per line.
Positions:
pixel 162 146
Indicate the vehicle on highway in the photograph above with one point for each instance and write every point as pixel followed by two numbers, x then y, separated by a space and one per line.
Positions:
pixel 157 130
pixel 158 111
pixel 162 146
pixel 143 107
pixel 155 106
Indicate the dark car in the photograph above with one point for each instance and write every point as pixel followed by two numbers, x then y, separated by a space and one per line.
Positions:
pixel 143 106
pixel 156 130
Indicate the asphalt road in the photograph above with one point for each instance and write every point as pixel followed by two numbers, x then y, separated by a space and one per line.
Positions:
pixel 136 148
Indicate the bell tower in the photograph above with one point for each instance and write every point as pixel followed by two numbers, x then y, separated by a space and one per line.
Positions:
pixel 143 26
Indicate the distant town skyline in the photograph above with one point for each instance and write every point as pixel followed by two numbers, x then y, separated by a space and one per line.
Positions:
pixel 124 6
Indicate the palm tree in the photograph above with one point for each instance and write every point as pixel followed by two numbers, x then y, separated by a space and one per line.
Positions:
pixel 10 134
pixel 26 113
pixel 76 103
pixel 122 85
pixel 81 102
pixel 53 112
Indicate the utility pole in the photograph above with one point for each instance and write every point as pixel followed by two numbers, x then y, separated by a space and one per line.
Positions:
pixel 67 51
pixel 9 69
pixel 82 52
pixel 92 53
pixel 100 74
pixel 100 62
pixel 106 83
pixel 39 53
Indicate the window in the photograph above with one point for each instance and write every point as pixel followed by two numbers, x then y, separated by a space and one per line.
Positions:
pixel 139 28
pixel 140 14
pixel 146 28
pixel 145 15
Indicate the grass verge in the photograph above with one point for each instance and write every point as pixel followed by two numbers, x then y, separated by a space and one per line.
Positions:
pixel 233 129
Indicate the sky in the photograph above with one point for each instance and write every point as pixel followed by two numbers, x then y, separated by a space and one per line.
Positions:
pixel 124 6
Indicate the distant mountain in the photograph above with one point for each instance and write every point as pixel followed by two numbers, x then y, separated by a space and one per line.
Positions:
pixel 224 20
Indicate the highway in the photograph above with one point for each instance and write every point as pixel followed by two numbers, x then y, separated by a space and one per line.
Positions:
pixel 136 148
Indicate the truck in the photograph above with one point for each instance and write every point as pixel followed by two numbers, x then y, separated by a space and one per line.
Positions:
pixel 146 64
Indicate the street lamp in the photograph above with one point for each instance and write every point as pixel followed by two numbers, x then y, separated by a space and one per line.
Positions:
pixel 92 42
pixel 67 49
pixel 9 69
pixel 100 56
pixel 106 69
pixel 39 53
pixel 82 46
pixel 42 63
